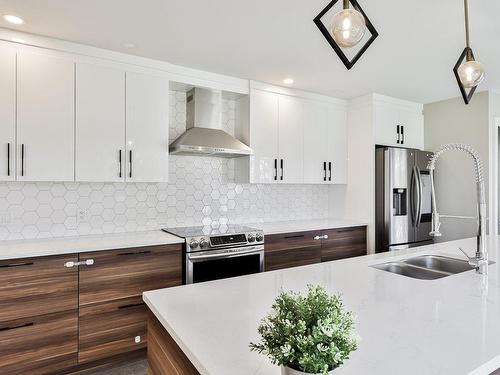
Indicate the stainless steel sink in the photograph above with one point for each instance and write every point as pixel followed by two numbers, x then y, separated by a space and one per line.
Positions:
pixel 426 267
pixel 440 263
pixel 404 269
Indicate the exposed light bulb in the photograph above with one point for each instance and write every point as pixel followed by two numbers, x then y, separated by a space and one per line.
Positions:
pixel 348 27
pixel 471 73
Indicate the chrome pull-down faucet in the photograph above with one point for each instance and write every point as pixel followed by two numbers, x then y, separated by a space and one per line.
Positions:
pixel 480 261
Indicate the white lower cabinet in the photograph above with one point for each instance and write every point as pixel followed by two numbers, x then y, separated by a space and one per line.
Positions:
pixel 45 118
pixel 100 123
pixel 7 113
pixel 147 128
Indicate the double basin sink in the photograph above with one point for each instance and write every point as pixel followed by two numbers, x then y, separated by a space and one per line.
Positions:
pixel 426 267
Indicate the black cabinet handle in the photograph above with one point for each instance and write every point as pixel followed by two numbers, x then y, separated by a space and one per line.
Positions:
pixel 324 170
pixel 8 159
pixel 398 135
pixel 130 305
pixel 402 134
pixel 136 253
pixel 275 169
pixel 130 163
pixel 330 170
pixel 17 326
pixel 281 178
pixel 22 159
pixel 22 264
pixel 120 163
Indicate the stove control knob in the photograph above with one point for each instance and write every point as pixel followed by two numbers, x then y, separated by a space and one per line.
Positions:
pixel 251 237
pixel 203 243
pixel 259 237
pixel 193 244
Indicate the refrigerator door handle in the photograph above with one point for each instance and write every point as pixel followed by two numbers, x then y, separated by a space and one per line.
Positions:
pixel 413 189
pixel 419 195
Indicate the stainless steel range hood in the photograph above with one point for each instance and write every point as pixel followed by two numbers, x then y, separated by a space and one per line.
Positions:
pixel 204 135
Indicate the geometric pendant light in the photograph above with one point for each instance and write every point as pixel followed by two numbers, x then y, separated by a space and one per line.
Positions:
pixel 346 29
pixel 468 72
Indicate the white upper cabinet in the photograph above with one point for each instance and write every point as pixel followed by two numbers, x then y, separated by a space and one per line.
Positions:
pixel 100 123
pixel 45 118
pixel 398 123
pixel 290 142
pixel 315 143
pixel 337 144
pixel 263 137
pixel 7 113
pixel 147 128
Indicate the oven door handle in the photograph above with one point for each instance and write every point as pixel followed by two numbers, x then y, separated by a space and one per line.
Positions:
pixel 232 254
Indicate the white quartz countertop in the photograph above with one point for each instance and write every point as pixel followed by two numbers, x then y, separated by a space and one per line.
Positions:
pixel 408 326
pixel 305 225
pixel 79 244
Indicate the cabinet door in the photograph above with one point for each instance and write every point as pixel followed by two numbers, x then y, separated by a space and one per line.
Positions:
pixel 316 143
pixel 263 136
pixel 290 142
pixel 111 328
pixel 337 145
pixel 45 118
pixel 291 250
pixel 147 128
pixel 343 243
pixel 100 123
pixel 37 286
pixel 413 129
pixel 44 344
pixel 7 114
pixel 386 125
pixel 125 273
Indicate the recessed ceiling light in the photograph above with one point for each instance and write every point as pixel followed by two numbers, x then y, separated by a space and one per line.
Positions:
pixel 13 19
pixel 288 81
pixel 128 45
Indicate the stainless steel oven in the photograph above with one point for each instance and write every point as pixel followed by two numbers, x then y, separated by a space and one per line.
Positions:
pixel 217 253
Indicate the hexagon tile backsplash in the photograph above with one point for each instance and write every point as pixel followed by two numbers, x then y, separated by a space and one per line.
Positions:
pixel 200 191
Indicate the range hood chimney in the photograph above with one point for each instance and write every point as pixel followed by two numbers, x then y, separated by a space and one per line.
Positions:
pixel 203 135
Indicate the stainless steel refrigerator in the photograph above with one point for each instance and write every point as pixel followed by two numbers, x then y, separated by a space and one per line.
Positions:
pixel 403 198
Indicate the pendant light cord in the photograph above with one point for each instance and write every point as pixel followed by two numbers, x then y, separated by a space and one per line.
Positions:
pixel 467 37
pixel 346 4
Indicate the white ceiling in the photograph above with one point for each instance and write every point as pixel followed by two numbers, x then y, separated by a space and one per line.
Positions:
pixel 268 40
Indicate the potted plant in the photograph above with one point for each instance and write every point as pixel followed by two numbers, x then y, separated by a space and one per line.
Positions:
pixel 311 334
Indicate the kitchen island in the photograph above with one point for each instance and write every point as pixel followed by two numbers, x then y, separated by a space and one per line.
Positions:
pixel 449 325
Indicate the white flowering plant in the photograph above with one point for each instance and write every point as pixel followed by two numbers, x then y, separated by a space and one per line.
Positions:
pixel 311 333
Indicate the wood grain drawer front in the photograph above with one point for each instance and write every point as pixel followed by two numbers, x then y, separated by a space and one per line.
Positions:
pixel 111 328
pixel 39 345
pixel 291 250
pixel 127 273
pixel 37 286
pixel 343 243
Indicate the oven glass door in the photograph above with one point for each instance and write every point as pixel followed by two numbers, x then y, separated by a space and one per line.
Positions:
pixel 220 268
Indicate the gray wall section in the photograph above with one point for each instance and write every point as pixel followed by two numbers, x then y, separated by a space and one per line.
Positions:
pixel 451 121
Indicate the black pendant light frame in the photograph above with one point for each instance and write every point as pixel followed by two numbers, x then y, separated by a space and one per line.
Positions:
pixel 374 34
pixel 467 54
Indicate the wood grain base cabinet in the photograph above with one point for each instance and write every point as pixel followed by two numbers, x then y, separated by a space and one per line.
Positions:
pixel 111 328
pixel 164 355
pixel 39 345
pixel 302 248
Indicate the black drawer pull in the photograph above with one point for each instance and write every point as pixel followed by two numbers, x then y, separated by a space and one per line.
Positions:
pixel 136 253
pixel 17 264
pixel 295 236
pixel 16 327
pixel 131 305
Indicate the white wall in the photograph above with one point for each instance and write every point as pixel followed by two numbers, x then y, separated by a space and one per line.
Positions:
pixel 451 121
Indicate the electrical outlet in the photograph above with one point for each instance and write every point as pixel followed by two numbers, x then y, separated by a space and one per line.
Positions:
pixel 83 215
pixel 5 219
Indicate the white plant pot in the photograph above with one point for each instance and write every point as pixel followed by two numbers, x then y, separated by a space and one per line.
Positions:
pixel 290 371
